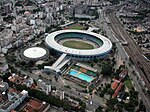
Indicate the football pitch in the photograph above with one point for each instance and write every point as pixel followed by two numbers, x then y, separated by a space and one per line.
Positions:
pixel 78 45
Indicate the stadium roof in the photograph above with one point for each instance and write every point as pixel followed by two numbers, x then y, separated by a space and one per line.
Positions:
pixel 105 48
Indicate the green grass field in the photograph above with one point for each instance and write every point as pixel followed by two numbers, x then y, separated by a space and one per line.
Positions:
pixel 77 28
pixel 128 84
pixel 78 45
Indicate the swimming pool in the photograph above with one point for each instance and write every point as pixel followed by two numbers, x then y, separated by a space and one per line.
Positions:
pixel 73 72
pixel 81 76
pixel 85 77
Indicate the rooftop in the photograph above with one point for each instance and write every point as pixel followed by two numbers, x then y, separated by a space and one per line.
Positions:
pixel 35 104
pixel 34 52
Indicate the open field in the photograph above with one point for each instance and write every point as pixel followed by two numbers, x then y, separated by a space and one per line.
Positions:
pixel 128 84
pixel 75 27
pixel 78 45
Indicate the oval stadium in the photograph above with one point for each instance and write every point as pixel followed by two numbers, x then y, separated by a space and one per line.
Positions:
pixel 79 44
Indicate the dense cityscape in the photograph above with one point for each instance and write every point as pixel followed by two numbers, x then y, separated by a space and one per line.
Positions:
pixel 74 56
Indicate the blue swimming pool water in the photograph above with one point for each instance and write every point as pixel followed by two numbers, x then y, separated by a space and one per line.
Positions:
pixel 85 77
pixel 73 72
pixel 81 76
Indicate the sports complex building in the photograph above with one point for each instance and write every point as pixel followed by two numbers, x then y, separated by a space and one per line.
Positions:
pixel 79 44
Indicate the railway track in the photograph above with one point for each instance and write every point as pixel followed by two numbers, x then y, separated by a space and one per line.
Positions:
pixel 132 49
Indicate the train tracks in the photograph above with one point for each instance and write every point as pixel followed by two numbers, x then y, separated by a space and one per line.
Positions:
pixel 132 49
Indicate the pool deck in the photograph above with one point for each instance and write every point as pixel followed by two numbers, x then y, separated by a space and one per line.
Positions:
pixel 79 73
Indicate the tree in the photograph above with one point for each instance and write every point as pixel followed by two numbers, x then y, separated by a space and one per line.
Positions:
pixel 102 94
pixel 82 104
pixel 112 102
pixel 106 70
pixel 148 92
pixel 69 3
pixel 67 86
pixel 99 109
pixel 6 76
pixel 142 106
pixel 9 18
pixel 110 91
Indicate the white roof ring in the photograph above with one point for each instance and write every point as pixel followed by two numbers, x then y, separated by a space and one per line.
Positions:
pixel 104 49
pixel 34 52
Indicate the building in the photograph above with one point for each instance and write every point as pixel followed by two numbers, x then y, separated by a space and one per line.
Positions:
pixel 49 19
pixel 6 37
pixel 81 9
pixel 3 63
pixel 34 54
pixel 44 86
pixel 62 95
pixel 71 11
pixel 27 81
pixel 14 100
pixel 3 86
pixel 41 14
pixel 36 105
pixel 59 94
pixel 8 8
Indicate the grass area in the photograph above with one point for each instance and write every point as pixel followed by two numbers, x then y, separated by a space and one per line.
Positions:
pixel 78 45
pixel 77 27
pixel 128 83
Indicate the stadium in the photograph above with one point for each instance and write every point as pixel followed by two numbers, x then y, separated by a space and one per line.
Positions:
pixel 79 44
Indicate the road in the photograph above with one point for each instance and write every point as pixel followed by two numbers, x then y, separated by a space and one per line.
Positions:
pixel 71 92
pixel 117 33
pixel 132 49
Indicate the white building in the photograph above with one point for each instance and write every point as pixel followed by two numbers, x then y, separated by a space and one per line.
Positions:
pixel 62 95
pixel 41 14
pixel 58 93
pixel 32 22
pixel 13 101
pixel 44 86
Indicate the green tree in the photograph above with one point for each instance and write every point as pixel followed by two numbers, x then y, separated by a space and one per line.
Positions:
pixel 110 91
pixel 102 94
pixel 99 109
pixel 106 70
pixel 111 103
pixel 142 106
pixel 82 104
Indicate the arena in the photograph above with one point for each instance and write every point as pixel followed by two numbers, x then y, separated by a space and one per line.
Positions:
pixel 34 54
pixel 79 44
